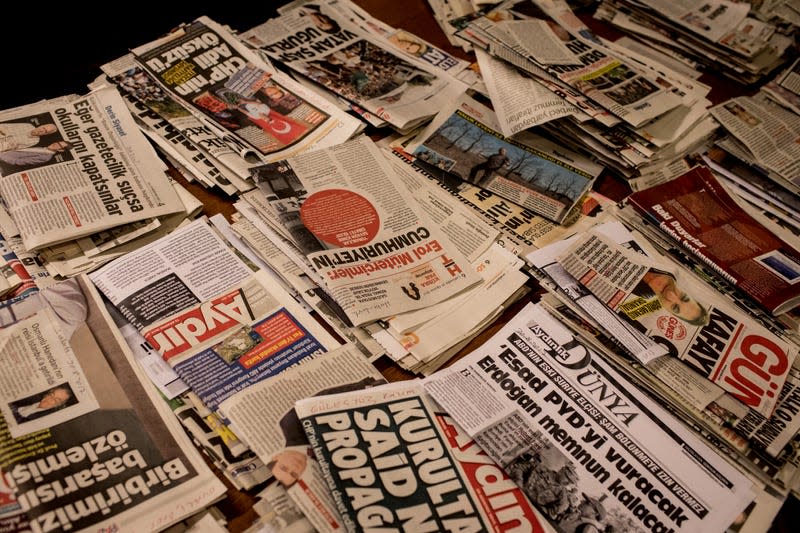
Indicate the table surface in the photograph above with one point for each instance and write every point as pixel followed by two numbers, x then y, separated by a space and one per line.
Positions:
pixel 87 50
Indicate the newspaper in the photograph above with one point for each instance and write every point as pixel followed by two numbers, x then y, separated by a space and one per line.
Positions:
pixel 240 466
pixel 264 416
pixel 767 130
pixel 182 152
pixel 401 40
pixel 218 324
pixel 137 83
pixel 135 467
pixel 363 233
pixel 557 417
pixel 700 215
pixel 393 459
pixel 785 88
pixel 316 41
pixel 692 321
pixel 464 140
pixel 520 101
pixel 74 167
pixel 228 86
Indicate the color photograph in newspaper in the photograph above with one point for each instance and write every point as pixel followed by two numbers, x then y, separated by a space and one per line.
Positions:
pixel 220 79
pixel 316 41
pixel 392 460
pixel 554 414
pixel 464 141
pixel 130 466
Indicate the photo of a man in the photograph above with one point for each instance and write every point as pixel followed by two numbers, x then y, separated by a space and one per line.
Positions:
pixel 43 403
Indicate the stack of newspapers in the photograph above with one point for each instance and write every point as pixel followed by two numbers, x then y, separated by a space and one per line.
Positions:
pixel 740 41
pixel 81 184
pixel 546 71
pixel 561 361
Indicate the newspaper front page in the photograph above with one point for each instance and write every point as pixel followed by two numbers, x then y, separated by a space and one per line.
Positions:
pixel 555 417
pixel 363 232
pixel 689 320
pixel 136 469
pixel 218 324
pixel 249 104
pixel 464 140
pixel 316 41
pixel 393 459
pixel 264 416
pixel 72 167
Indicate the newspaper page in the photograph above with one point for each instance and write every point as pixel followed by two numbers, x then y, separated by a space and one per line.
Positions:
pixel 226 84
pixel 316 41
pixel 264 416
pixel 393 459
pixel 555 416
pixel 695 325
pixel 129 463
pixel 699 214
pixel 629 92
pixel 43 383
pixel 464 140
pixel 74 167
pixel 769 131
pixel 363 232
pixel 218 324
pixel 520 101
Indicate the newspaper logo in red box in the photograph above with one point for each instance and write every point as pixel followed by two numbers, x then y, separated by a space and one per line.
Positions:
pixel 201 324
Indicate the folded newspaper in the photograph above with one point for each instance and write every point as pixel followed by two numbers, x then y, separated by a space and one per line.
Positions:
pixel 365 237
pixel 701 216
pixel 74 166
pixel 262 114
pixel 393 460
pixel 221 326
pixel 100 450
pixel 555 416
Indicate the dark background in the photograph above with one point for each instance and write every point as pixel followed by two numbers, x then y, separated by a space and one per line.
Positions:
pixel 53 50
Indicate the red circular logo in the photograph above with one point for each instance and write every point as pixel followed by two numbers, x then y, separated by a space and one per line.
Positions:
pixel 671 327
pixel 340 217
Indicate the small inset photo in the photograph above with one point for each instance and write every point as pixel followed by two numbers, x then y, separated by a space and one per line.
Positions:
pixel 43 403
pixel 238 344
pixel 782 266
